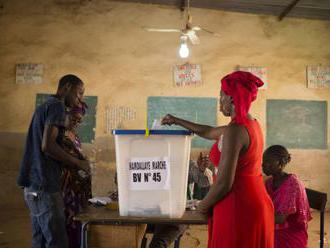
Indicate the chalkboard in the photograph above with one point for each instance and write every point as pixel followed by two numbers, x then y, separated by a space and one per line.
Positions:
pixel 86 131
pixel 202 110
pixel 297 123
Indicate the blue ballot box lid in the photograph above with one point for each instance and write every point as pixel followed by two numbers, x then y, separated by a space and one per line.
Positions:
pixel 151 132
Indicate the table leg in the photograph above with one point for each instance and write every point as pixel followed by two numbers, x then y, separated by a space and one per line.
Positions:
pixel 84 242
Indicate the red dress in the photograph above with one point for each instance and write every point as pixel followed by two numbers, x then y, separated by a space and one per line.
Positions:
pixel 245 217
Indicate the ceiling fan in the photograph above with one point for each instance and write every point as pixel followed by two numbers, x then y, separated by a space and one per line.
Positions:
pixel 188 32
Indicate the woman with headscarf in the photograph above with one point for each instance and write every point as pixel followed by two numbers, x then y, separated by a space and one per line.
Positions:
pixel 290 200
pixel 76 184
pixel 241 214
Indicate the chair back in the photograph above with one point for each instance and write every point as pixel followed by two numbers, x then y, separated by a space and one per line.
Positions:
pixel 316 199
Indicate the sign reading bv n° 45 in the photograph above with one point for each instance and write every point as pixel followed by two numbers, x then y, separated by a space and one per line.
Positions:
pixel 149 173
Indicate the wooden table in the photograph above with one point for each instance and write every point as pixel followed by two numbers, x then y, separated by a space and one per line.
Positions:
pixel 104 216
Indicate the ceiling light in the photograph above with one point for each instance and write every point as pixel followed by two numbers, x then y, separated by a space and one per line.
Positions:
pixel 184 50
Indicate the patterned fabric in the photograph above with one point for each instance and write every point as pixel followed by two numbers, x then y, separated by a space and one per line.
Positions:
pixel 290 199
pixel 209 174
pixel 199 182
pixel 197 176
pixel 76 190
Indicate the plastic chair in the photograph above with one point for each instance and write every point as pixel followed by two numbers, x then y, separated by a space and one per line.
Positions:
pixel 317 200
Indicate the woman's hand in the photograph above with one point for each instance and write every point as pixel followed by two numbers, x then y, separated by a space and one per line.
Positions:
pixel 202 208
pixel 168 120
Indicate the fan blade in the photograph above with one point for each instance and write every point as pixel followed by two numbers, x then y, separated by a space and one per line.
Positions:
pixel 166 30
pixel 193 37
pixel 210 32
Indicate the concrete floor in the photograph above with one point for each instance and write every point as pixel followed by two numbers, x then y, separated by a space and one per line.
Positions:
pixel 15 231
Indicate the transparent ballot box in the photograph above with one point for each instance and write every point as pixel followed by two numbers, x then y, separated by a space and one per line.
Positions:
pixel 152 172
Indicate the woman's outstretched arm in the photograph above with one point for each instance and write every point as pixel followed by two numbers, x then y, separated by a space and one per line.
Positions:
pixel 204 131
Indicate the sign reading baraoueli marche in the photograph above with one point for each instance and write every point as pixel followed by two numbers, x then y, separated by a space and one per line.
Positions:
pixel 149 173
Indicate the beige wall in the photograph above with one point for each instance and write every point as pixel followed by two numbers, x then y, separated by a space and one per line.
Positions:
pixel 103 42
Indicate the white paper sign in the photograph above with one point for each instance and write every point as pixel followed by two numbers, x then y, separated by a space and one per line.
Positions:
pixel 260 72
pixel 115 116
pixel 29 73
pixel 149 173
pixel 187 75
pixel 318 76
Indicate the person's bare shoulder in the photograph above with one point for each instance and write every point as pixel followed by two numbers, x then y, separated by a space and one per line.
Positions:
pixel 237 133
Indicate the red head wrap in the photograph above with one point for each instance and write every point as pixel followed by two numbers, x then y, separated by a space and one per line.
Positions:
pixel 242 87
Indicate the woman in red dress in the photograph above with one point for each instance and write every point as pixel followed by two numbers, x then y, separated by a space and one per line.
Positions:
pixel 241 214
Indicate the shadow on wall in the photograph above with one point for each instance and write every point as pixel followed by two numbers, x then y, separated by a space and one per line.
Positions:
pixel 102 151
pixel 11 152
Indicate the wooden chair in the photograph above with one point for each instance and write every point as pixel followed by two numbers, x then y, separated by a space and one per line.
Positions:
pixel 317 200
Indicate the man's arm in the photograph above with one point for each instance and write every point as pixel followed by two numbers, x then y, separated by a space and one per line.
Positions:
pixel 50 147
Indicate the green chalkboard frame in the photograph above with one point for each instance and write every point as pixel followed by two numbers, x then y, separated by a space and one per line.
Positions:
pixel 202 110
pixel 86 131
pixel 297 124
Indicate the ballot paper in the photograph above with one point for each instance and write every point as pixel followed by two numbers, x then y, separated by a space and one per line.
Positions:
pixel 98 200
pixel 192 204
pixel 157 124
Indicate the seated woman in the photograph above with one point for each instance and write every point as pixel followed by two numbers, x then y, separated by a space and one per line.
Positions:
pixel 76 184
pixel 289 198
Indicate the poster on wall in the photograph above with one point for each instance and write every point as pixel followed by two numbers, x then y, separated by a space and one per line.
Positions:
pixel 187 75
pixel 259 71
pixel 29 73
pixel 115 116
pixel 318 76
